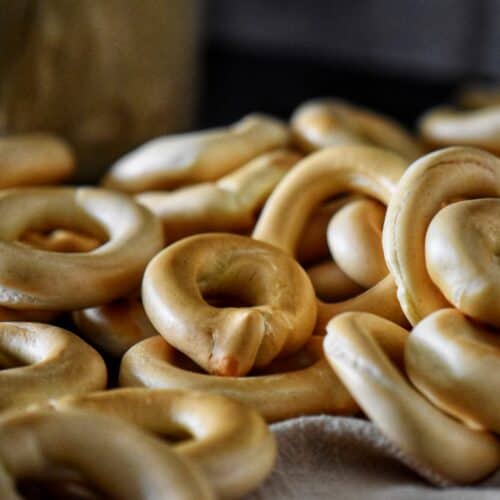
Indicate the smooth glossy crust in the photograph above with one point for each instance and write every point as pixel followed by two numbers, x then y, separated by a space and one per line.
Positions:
pixel 333 122
pixel 358 347
pixel 230 442
pixel 277 309
pixel 37 279
pixel 34 160
pixel 231 204
pixel 43 361
pixel 320 176
pixel 302 384
pixel 432 182
pixel 116 458
pixel 456 364
pixel 446 127
pixel 177 160
pixel 115 327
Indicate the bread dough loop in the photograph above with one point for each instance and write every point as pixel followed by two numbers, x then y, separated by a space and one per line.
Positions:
pixel 43 361
pixel 302 384
pixel 34 160
pixel 227 205
pixel 332 122
pixel 276 317
pixel 177 160
pixel 360 348
pixel 37 279
pixel 118 459
pixel 414 249
pixel 230 442
pixel 320 176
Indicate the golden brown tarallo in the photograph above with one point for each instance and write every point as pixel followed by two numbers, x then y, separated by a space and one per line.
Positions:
pixel 324 174
pixel 267 306
pixel 230 442
pixel 178 160
pixel 299 384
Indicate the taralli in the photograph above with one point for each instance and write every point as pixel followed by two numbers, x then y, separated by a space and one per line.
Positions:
pixel 43 361
pixel 467 274
pixel 112 457
pixel 327 173
pixel 277 305
pixel 411 249
pixel 230 204
pixel 456 364
pixel 331 122
pixel 445 127
pixel 358 347
pixel 34 159
pixel 313 246
pixel 115 327
pixel 36 279
pixel 331 283
pixel 302 384
pixel 227 440
pixel 177 160
pixel 354 237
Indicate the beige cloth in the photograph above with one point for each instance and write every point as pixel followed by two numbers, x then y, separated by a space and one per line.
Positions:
pixel 340 458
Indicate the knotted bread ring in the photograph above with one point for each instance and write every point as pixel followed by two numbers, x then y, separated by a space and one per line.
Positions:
pixel 34 160
pixel 322 175
pixel 116 458
pixel 332 122
pixel 36 279
pixel 42 361
pixel 277 314
pixel 177 160
pixel 446 126
pixel 228 205
pixel 428 248
pixel 443 450
pixel 227 440
pixel 301 384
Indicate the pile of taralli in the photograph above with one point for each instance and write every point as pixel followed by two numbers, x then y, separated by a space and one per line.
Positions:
pixel 245 275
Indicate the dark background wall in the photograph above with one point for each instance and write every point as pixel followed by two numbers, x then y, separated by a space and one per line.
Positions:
pixel 398 56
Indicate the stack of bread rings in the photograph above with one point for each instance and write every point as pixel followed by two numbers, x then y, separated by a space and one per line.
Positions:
pixel 219 281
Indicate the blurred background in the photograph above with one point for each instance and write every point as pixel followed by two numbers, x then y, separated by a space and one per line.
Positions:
pixel 109 75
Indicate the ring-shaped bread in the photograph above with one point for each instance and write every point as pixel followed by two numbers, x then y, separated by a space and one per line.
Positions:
pixel 445 177
pixel 41 361
pixel 111 456
pixel 302 384
pixel 178 160
pixel 114 327
pixel 227 205
pixel 354 237
pixel 360 348
pixel 276 317
pixel 230 442
pixel 37 279
pixel 322 175
pixel 456 364
pixel 480 128
pixel 332 122
pixel 34 159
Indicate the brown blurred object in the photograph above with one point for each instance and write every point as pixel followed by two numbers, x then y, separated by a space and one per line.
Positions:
pixel 107 76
